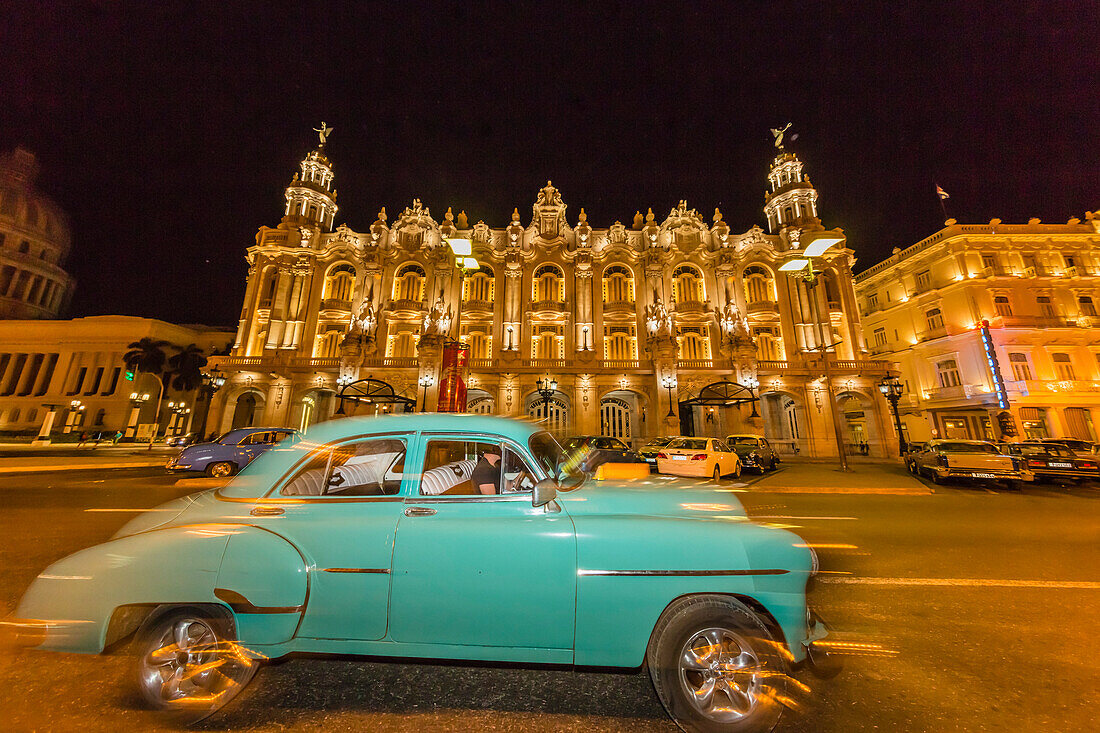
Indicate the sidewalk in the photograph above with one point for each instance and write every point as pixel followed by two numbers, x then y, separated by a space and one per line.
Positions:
pixel 821 477
pixel 22 458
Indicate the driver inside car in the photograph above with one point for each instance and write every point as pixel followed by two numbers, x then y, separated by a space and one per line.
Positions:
pixel 487 476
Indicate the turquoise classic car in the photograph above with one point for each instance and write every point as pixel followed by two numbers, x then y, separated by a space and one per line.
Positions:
pixel 443 536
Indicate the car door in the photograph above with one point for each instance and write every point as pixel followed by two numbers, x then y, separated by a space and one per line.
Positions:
pixel 250 447
pixel 483 571
pixel 340 507
pixel 727 459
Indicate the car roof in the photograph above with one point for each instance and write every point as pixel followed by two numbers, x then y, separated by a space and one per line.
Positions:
pixel 744 435
pixel 959 440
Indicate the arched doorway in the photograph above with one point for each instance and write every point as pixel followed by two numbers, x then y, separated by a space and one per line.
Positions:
pixel 371 397
pixel 721 409
pixel 247 410
pixel 480 402
pixel 621 415
pixel 554 415
pixel 859 422
pixel 786 425
pixel 316 405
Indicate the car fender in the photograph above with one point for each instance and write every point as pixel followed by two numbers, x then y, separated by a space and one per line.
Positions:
pixel 75 597
pixel 679 556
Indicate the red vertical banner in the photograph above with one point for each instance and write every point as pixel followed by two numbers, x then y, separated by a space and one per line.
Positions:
pixel 452 382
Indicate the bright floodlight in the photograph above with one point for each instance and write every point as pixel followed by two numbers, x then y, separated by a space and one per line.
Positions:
pixel 470 263
pixel 818 247
pixel 461 247
pixel 794 265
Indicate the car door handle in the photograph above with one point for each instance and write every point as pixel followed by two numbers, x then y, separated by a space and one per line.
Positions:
pixel 267 511
pixel 419 511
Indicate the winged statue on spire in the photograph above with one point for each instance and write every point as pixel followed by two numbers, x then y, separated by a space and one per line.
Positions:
pixel 779 135
pixel 324 131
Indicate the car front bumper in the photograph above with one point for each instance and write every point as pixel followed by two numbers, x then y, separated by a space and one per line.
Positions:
pixel 979 475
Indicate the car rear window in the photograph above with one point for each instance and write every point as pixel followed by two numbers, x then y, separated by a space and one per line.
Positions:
pixel 741 440
pixel 968 448
pixel 689 443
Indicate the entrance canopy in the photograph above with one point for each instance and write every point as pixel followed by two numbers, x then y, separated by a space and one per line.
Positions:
pixel 722 393
pixel 370 392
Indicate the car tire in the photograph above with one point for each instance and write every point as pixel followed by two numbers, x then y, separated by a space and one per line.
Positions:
pixel 737 472
pixel 717 643
pixel 221 469
pixel 717 473
pixel 172 654
pixel 936 478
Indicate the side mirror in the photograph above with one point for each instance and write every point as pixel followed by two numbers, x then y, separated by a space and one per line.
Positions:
pixel 544 492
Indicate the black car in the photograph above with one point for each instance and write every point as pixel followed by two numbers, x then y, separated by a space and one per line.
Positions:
pixel 649 451
pixel 1078 446
pixel 1050 461
pixel 589 451
pixel 754 451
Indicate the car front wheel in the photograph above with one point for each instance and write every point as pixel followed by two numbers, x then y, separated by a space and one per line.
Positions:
pixel 221 469
pixel 716 667
pixel 190 666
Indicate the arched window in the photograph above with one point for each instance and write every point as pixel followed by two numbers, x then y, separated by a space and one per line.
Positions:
pixel 479 285
pixel 615 418
pixel 340 282
pixel 548 284
pixel 620 343
pixel 687 285
pixel 328 345
pixel 409 282
pixel 556 417
pixel 547 342
pixel 402 343
pixel 769 344
pixel 759 285
pixel 694 343
pixel 480 342
pixel 618 285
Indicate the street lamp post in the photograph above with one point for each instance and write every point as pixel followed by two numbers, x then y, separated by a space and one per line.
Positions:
pixel 752 383
pixel 341 384
pixel 803 267
pixel 546 389
pixel 669 382
pixel 426 381
pixel 212 381
pixel 891 390
pixel 76 408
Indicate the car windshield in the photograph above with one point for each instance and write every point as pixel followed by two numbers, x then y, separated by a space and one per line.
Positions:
pixel 735 440
pixel 658 443
pixel 689 443
pixel 967 448
pixel 574 443
pixel 551 456
pixel 1039 449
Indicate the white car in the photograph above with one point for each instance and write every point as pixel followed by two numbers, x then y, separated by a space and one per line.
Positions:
pixel 699 457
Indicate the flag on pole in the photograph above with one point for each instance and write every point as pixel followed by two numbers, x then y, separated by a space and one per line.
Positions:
pixel 941 193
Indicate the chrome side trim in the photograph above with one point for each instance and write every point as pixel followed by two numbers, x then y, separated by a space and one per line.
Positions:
pixel 384 571
pixel 524 496
pixel 682 573
pixel 240 604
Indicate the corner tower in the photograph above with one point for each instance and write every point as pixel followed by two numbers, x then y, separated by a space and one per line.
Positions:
pixel 311 197
pixel 792 200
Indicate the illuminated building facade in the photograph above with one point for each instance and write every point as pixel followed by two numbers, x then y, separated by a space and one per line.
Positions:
pixel 666 325
pixel 34 242
pixel 1036 285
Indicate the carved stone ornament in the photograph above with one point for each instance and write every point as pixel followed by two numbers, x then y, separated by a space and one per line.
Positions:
pixel 305 235
pixel 549 213
pixel 658 322
pixel 437 321
pixel 301 267
pixel 345 235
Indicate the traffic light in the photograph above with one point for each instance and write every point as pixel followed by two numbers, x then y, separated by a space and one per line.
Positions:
pixel 129 375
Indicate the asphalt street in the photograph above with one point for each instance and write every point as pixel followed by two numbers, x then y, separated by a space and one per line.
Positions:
pixel 976 608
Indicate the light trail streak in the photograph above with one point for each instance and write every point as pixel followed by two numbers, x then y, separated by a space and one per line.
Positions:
pixel 969 582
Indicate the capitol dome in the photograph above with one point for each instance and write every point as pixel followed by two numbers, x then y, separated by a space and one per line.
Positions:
pixel 34 242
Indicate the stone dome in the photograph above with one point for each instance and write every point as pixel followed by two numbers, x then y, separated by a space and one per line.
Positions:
pixel 34 242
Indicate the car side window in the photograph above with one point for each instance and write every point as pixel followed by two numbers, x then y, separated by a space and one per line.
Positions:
pixel 450 464
pixel 518 476
pixel 256 439
pixel 372 467
pixel 618 444
pixel 720 447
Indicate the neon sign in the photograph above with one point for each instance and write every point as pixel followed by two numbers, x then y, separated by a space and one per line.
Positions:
pixel 994 366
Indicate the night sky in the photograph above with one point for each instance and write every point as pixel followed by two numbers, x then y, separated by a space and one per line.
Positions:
pixel 168 132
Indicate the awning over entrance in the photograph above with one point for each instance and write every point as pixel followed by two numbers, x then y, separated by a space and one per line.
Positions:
pixel 722 393
pixel 370 392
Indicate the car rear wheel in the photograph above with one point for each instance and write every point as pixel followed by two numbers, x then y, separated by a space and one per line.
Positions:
pixel 190 666
pixel 221 469
pixel 716 667
pixel 717 473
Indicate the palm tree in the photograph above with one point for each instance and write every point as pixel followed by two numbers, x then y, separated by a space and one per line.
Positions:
pixel 146 355
pixel 185 368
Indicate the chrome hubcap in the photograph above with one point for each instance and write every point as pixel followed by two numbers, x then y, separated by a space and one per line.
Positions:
pixel 220 469
pixel 721 674
pixel 189 665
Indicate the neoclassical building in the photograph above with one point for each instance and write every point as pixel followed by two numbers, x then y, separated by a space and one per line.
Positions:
pixel 34 242
pixel 667 325
pixel 992 325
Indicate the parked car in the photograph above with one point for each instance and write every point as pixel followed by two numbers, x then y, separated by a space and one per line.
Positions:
pixel 911 450
pixel 343 543
pixel 229 453
pixel 1051 461
pixel 1081 447
pixel 649 451
pixel 754 451
pixel 179 441
pixel 969 460
pixel 590 451
pixel 699 457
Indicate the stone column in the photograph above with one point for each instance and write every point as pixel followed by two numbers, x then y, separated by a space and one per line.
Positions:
pixel 47 425
pixel 664 351
pixel 513 325
pixel 583 319
pixel 430 351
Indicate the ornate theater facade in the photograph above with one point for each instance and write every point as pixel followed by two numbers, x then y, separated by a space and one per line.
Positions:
pixel 665 326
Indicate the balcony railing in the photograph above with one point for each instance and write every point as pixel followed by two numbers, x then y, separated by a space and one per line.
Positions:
pixel 762 306
pixel 481 363
pixel 548 306
pixel 695 363
pixel 407 305
pixel 545 363
pixel 471 306
pixel 932 333
pixel 241 360
pixel 620 363
pixel 265 304
pixel 392 361
pixel 690 306
pixel 834 306
pixel 1032 322
pixel 620 306
pixel 316 361
pixel 335 304
pixel 772 365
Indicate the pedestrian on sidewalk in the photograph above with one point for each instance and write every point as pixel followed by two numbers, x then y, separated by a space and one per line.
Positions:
pixel 98 438
pixel 864 449
pixel 83 439
pixel 118 437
